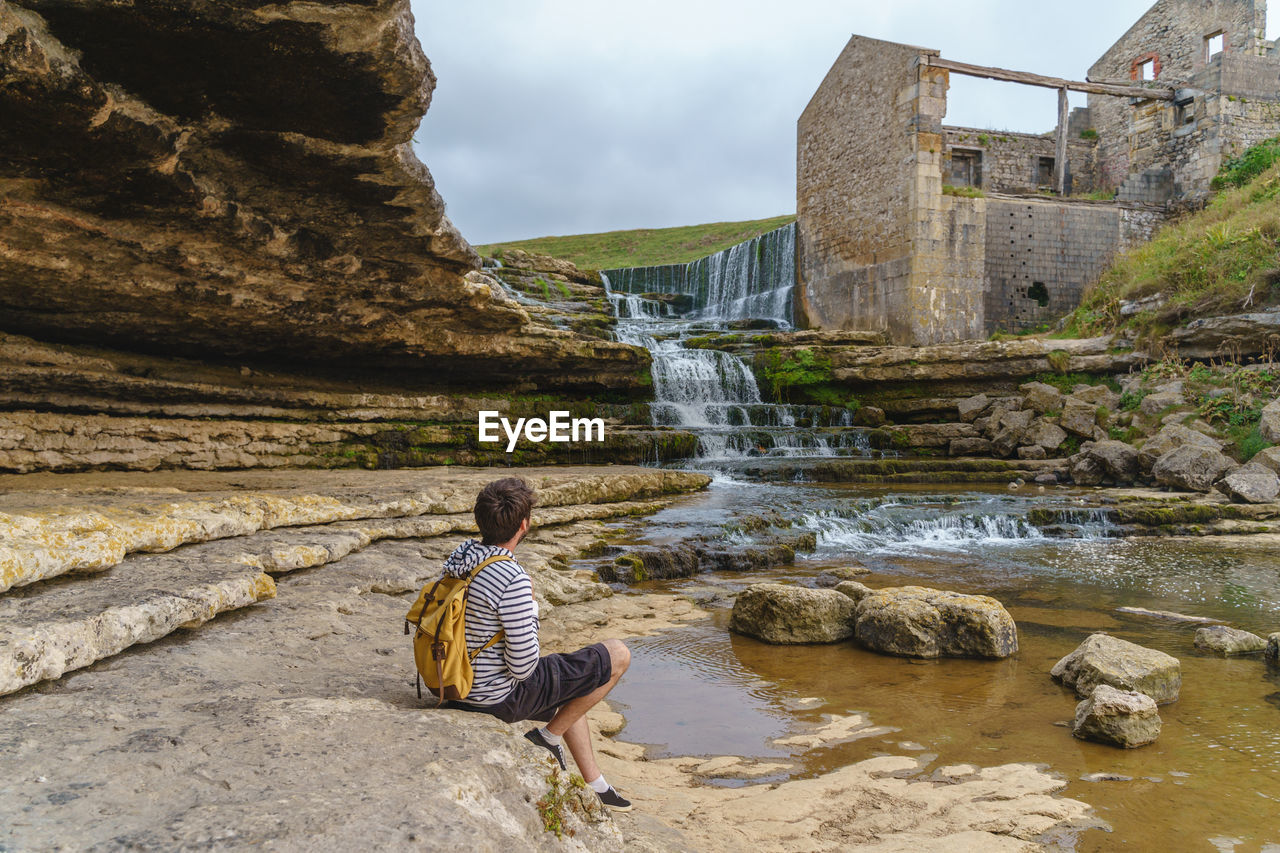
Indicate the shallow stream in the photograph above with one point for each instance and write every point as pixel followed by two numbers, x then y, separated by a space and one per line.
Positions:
pixel 1211 782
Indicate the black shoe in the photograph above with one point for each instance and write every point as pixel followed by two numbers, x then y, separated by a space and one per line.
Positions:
pixel 535 736
pixel 613 800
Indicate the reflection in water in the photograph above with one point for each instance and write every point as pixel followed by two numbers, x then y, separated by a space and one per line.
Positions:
pixel 1214 773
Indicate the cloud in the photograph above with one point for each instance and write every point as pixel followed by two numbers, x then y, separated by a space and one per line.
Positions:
pixel 569 116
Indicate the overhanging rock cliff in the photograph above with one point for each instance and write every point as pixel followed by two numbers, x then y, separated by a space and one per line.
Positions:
pixel 235 182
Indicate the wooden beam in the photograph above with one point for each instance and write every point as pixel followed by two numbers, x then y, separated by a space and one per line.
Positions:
pixel 1026 78
pixel 1060 149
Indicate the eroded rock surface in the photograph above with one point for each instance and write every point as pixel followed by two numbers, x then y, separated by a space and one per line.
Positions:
pixel 916 621
pixel 1192 468
pixel 1225 640
pixel 238 182
pixel 784 614
pixel 1103 659
pixel 1254 483
pixel 1127 719
pixel 221 549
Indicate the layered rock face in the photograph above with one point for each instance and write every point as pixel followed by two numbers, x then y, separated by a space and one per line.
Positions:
pixel 236 182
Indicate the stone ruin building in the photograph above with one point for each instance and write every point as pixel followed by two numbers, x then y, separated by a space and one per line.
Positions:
pixel 932 233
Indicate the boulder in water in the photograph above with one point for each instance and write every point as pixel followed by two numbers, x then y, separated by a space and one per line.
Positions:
pixel 1228 641
pixel 1254 483
pixel 1192 468
pixel 784 614
pixel 834 577
pixel 915 621
pixel 1103 659
pixel 1124 718
pixel 1273 647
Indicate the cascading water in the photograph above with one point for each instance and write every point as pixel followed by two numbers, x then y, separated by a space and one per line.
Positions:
pixel 710 392
pixel 753 280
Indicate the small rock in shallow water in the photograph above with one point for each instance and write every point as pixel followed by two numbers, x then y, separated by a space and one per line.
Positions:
pixel 832 577
pixel 1124 718
pixel 1273 647
pixel 1164 614
pixel 1105 777
pixel 1103 659
pixel 1228 641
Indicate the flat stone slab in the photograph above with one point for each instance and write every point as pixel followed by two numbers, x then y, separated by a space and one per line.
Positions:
pixel 56 626
pixel 45 534
pixel 46 632
pixel 1104 659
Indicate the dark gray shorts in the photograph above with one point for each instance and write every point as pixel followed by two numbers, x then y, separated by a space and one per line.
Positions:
pixel 557 679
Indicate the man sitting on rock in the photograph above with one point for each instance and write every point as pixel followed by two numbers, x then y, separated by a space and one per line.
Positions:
pixel 511 681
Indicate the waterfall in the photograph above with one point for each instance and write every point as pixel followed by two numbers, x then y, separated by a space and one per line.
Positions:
pixel 753 280
pixel 712 393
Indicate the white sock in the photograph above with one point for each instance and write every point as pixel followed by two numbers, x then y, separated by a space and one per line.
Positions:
pixel 599 785
pixel 554 740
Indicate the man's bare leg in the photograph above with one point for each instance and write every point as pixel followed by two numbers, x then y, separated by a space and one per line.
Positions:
pixel 570 722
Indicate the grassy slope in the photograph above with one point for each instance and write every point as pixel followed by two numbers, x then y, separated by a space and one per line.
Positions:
pixel 1221 260
pixel 643 246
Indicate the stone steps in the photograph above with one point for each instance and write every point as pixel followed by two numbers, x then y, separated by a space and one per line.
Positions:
pixel 898 470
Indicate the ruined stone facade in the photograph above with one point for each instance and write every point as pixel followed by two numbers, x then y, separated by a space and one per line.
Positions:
pixel 933 233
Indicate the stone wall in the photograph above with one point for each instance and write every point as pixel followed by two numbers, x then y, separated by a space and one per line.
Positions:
pixel 944 300
pixel 879 245
pixel 855 149
pixel 1173 34
pixel 1012 162
pixel 1040 257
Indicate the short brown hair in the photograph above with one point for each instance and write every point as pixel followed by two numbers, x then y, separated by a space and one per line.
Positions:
pixel 500 507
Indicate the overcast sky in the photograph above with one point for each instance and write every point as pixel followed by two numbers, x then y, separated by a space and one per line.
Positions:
pixel 573 116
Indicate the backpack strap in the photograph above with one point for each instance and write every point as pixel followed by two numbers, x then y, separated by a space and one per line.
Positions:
pixel 496 558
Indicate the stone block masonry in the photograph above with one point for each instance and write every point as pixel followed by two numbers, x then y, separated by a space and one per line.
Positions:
pixel 1040 256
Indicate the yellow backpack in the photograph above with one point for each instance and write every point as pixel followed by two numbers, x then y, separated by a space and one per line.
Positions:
pixel 440 639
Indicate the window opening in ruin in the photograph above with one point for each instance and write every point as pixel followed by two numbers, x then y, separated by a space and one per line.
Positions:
pixel 1044 171
pixel 1039 293
pixel 1147 70
pixel 966 168
pixel 1184 112
pixel 1214 44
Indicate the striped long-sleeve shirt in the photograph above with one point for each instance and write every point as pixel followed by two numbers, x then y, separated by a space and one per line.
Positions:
pixel 500 599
